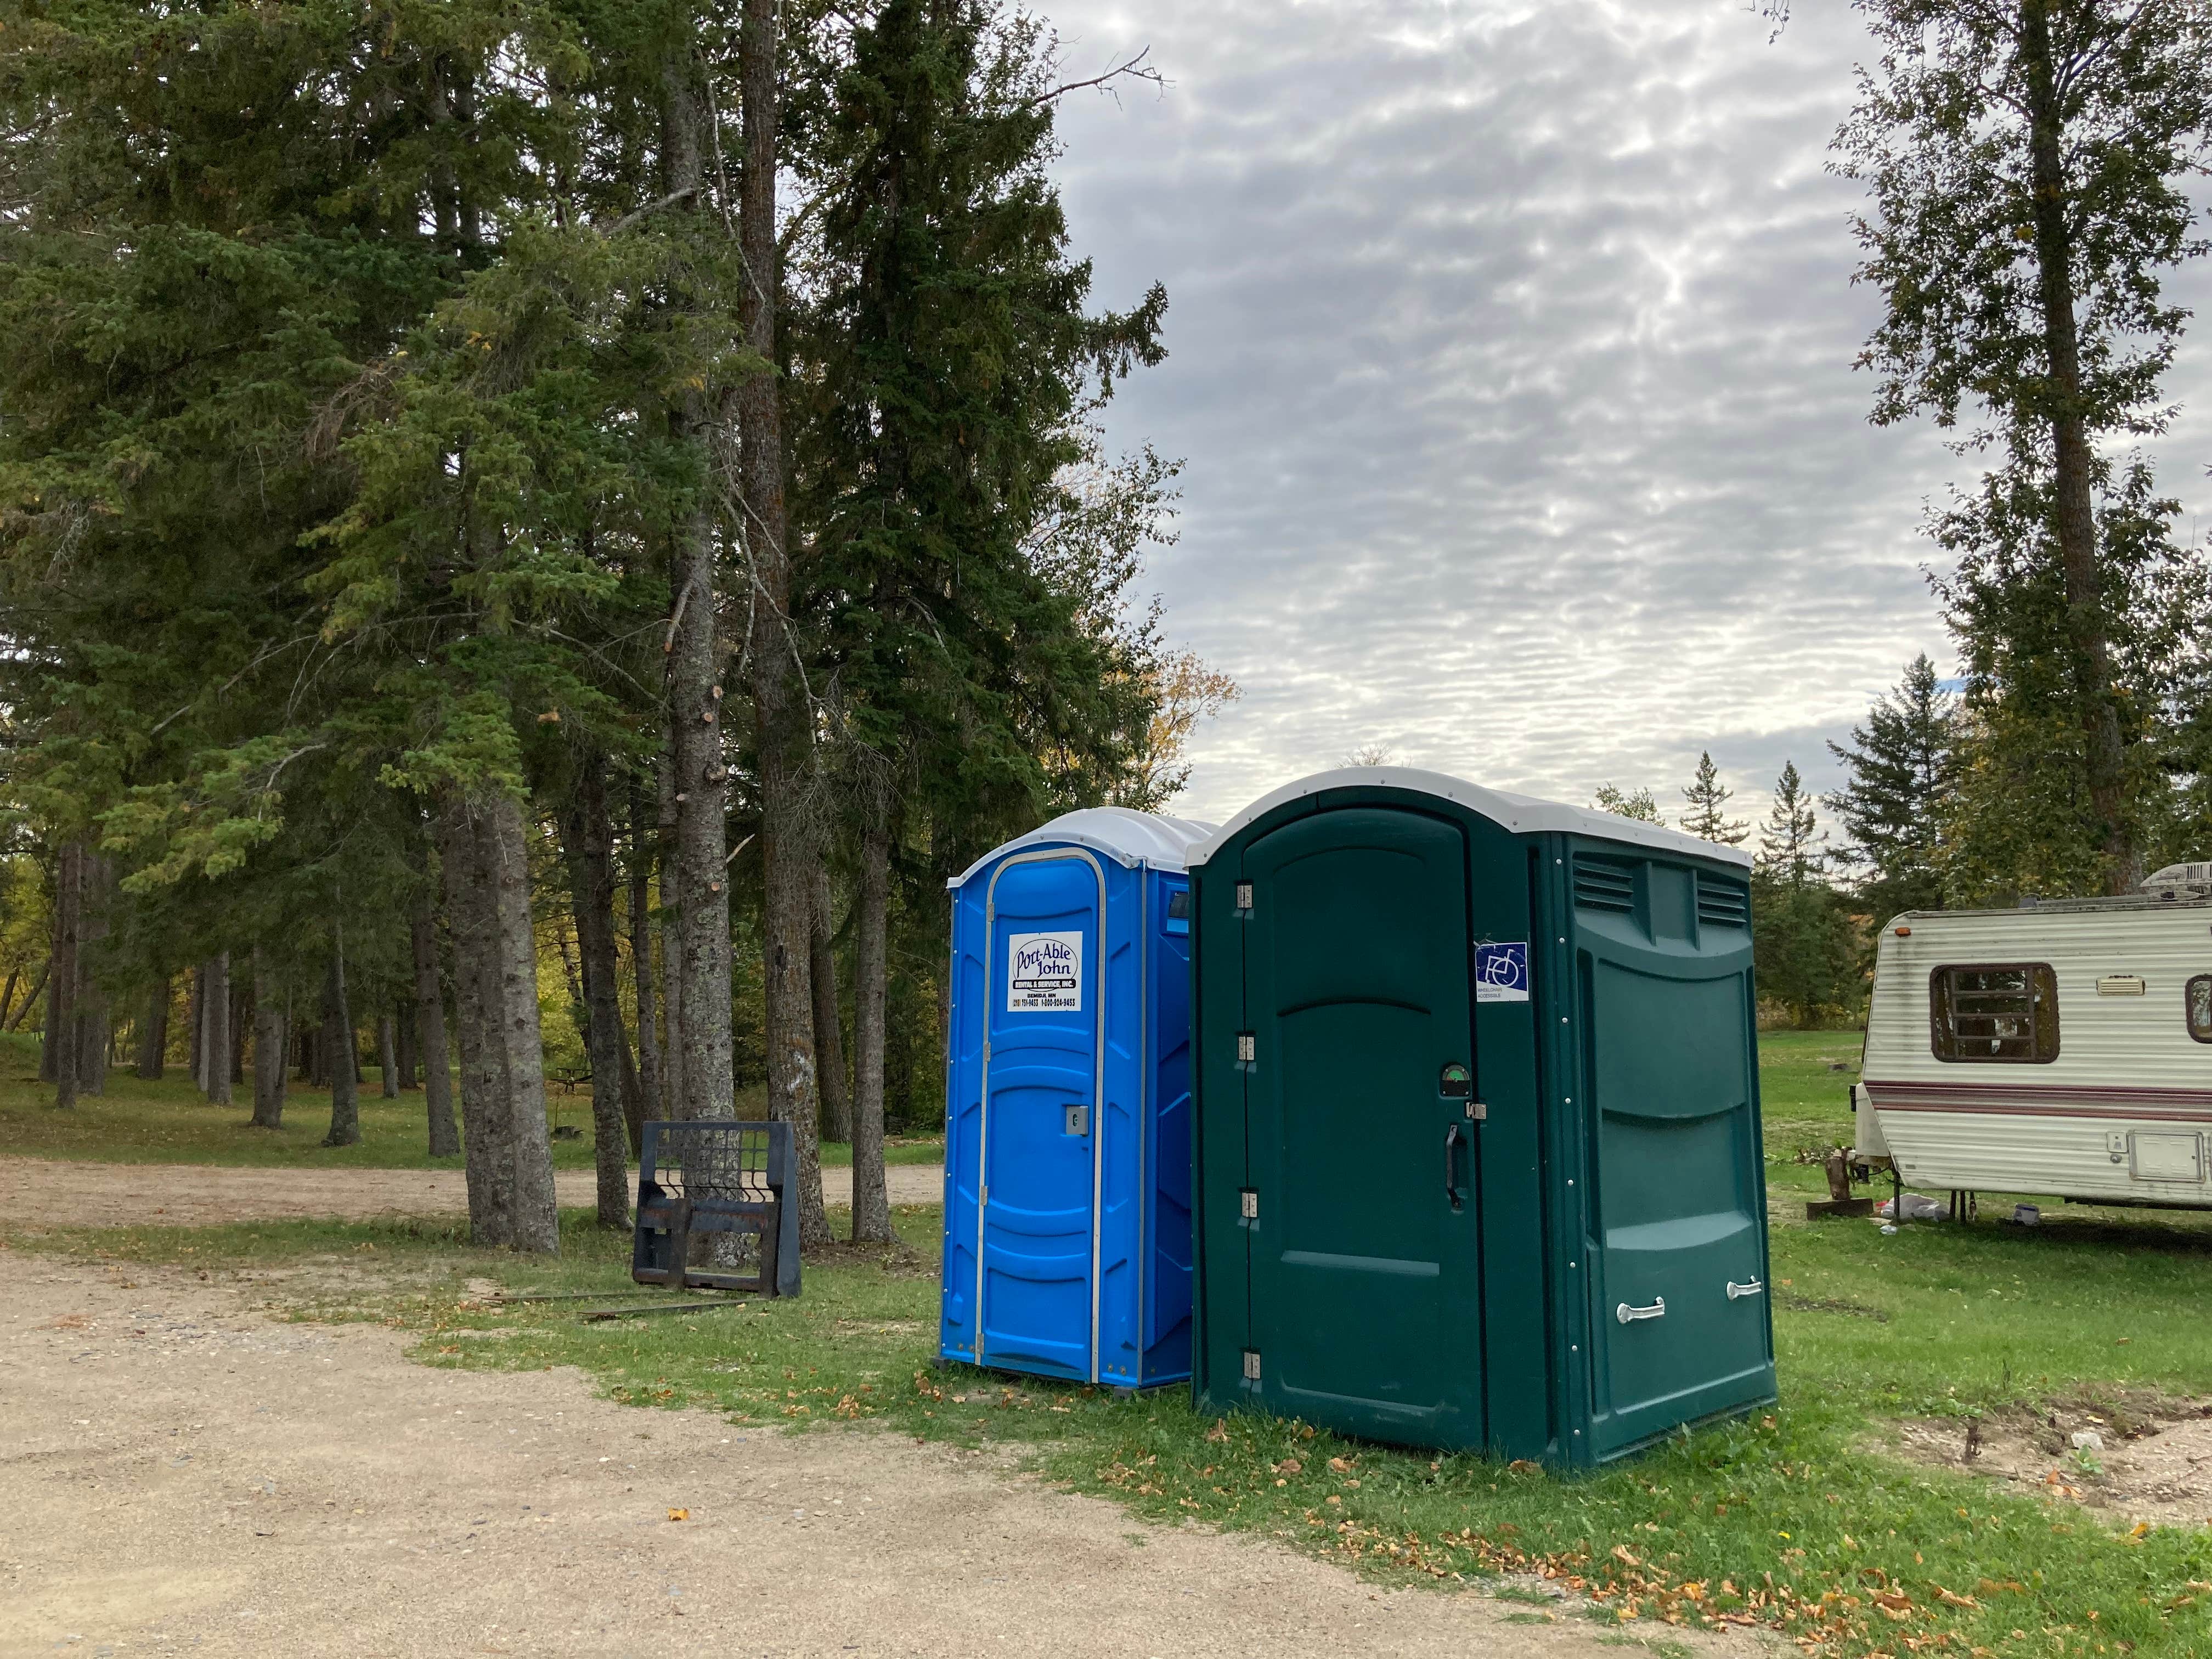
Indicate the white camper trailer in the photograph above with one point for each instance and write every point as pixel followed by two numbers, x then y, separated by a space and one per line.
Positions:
pixel 2061 1048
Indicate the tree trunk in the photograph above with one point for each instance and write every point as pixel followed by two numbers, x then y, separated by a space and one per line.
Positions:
pixel 337 1038
pixel 536 1213
pixel 484 1118
pixel 214 1045
pixel 789 844
pixel 871 1204
pixel 671 949
pixel 586 833
pixel 828 1026
pixel 403 1026
pixel 2073 458
pixel 95 1024
pixel 195 1012
pixel 38 985
pixel 154 1033
pixel 61 1006
pixel 431 1030
pixel 241 1022
pixel 647 1100
pixel 272 1021
pixel 387 1057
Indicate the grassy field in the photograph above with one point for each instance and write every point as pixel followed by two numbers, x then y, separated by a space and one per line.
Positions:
pixel 168 1122
pixel 1799 1518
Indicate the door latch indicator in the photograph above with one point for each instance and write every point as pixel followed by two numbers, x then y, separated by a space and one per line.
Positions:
pixel 1079 1119
pixel 1251 1365
pixel 1247 1204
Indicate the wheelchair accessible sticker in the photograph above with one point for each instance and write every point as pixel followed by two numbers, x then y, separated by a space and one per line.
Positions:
pixel 1501 973
pixel 1044 971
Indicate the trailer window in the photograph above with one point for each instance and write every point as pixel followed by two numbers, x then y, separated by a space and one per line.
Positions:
pixel 2198 998
pixel 2000 1012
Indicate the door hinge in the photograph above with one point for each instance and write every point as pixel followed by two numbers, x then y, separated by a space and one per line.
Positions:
pixel 985 1198
pixel 1251 1365
pixel 1244 897
pixel 1247 1204
pixel 1248 1048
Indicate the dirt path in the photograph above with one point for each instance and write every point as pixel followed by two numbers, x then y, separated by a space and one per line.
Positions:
pixel 182 1472
pixel 54 1192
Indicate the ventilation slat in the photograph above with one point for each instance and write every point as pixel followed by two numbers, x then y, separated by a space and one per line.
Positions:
pixel 1601 885
pixel 1723 904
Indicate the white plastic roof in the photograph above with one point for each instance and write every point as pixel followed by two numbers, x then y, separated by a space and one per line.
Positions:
pixel 1130 838
pixel 1521 814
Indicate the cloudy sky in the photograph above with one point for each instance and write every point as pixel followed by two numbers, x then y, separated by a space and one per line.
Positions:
pixel 1512 365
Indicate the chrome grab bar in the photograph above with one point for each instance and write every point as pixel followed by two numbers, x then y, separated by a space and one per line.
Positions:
pixel 1754 1288
pixel 1628 1315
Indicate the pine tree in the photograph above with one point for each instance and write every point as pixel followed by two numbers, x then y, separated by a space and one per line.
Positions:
pixel 1708 797
pixel 1638 803
pixel 1901 770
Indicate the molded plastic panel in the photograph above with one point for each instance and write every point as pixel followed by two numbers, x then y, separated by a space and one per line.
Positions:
pixel 1366 1246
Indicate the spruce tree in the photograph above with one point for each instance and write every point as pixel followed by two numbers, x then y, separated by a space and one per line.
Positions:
pixel 1901 771
pixel 1707 799
pixel 1801 945
pixel 970 551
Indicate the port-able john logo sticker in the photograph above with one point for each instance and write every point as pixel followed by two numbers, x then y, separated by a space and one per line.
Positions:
pixel 1501 973
pixel 1044 971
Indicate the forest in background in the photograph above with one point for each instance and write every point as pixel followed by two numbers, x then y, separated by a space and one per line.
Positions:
pixel 544 533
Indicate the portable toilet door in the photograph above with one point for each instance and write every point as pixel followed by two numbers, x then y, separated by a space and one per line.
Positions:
pixel 1066 1248
pixel 1478 1151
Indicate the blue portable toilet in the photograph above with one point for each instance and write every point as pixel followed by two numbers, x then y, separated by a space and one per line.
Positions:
pixel 1067 1197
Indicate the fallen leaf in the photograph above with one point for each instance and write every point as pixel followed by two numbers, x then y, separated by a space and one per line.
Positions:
pixel 1340 1465
pixel 1289 1466
pixel 679 1515
pixel 1626 1556
pixel 1524 1465
pixel 1218 1432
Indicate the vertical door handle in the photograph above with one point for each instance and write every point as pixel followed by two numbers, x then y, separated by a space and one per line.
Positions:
pixel 1451 1166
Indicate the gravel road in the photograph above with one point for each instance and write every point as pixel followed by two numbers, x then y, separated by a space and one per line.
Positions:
pixel 185 1473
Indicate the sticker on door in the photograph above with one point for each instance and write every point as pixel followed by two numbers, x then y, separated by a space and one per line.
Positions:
pixel 1044 971
pixel 1501 972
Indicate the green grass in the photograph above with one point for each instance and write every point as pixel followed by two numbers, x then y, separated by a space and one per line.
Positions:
pixel 169 1123
pixel 1798 1518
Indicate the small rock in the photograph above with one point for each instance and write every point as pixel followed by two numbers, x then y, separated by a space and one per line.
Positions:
pixel 2086 1440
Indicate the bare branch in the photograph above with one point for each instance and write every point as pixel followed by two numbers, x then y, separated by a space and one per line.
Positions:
pixel 1136 68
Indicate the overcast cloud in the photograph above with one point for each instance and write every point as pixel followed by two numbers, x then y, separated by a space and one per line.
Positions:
pixel 1512 365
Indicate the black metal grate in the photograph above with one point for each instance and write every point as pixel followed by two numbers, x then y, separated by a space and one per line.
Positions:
pixel 714 1160
pixel 1722 902
pixel 710 1209
pixel 1602 885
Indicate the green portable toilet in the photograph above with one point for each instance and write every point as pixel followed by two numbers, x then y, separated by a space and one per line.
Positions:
pixel 1477 1120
